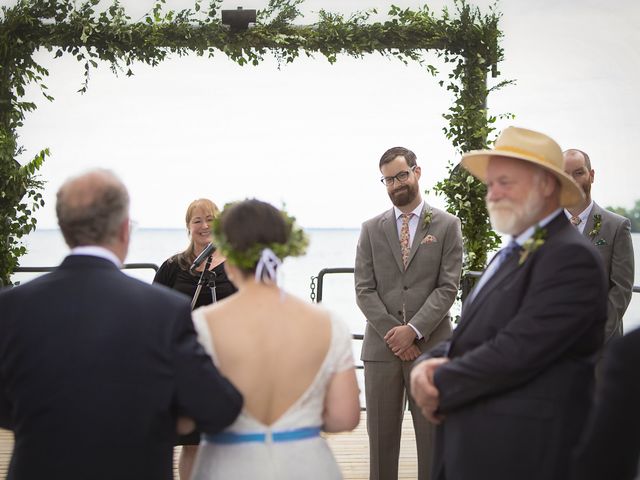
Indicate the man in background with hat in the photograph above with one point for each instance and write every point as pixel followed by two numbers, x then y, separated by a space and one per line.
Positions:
pixel 611 235
pixel 512 388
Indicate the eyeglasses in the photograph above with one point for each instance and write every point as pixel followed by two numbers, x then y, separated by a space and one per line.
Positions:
pixel 401 177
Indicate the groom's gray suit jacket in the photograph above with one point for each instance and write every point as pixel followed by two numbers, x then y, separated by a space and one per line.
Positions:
pixel 426 289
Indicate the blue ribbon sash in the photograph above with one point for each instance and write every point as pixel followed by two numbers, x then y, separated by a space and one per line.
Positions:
pixel 228 438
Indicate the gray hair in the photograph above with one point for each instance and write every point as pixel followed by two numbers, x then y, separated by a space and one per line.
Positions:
pixel 91 208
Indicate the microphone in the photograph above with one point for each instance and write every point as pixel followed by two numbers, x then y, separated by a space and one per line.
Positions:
pixel 209 249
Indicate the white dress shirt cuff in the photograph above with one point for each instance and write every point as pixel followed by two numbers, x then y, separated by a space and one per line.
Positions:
pixel 418 334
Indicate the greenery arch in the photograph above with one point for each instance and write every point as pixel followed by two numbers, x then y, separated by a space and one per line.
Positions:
pixel 467 38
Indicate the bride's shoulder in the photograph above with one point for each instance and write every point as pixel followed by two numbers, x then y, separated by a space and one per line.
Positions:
pixel 312 310
pixel 207 317
pixel 319 313
pixel 216 310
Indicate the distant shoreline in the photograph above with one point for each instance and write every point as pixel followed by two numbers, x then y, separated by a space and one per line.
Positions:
pixel 315 229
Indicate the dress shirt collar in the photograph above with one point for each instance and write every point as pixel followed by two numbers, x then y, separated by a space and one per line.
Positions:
pixel 96 251
pixel 416 211
pixel 528 233
pixel 584 215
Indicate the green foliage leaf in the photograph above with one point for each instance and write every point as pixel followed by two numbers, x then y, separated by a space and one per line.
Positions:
pixel 466 39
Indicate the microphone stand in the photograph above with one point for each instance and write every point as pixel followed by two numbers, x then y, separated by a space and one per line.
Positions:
pixel 206 277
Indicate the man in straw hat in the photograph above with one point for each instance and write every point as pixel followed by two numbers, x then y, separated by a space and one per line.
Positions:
pixel 512 388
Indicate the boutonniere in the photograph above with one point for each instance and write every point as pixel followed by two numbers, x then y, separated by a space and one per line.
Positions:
pixel 597 225
pixel 429 239
pixel 427 220
pixel 600 242
pixel 533 244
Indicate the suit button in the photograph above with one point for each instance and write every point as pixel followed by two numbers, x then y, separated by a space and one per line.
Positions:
pixel 399 312
pixel 406 288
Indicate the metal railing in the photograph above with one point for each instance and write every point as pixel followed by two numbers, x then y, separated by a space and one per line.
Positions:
pixel 317 286
pixel 317 283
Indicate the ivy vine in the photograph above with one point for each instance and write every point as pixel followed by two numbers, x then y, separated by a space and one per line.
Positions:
pixel 467 38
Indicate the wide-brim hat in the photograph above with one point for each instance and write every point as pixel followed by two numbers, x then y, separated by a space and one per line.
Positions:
pixel 529 146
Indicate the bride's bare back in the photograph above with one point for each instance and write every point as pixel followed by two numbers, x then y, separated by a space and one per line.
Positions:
pixel 270 345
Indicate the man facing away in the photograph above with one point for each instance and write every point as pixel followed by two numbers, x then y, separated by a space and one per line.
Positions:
pixel 512 388
pixel 95 366
pixel 611 235
pixel 407 272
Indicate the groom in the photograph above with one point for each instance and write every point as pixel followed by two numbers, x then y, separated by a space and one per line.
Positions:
pixel 95 366
pixel 407 271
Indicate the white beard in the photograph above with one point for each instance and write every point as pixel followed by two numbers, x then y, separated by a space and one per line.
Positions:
pixel 512 219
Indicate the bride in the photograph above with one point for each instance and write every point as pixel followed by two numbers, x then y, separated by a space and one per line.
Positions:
pixel 291 360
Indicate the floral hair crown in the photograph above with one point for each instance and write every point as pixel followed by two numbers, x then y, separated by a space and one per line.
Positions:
pixel 295 246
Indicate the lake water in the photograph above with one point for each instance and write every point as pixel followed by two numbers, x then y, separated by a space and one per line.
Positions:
pixel 328 248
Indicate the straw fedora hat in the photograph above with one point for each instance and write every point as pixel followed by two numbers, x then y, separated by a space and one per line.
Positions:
pixel 532 147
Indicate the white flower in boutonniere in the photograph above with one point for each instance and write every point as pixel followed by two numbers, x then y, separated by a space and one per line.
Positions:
pixel 533 244
pixel 427 218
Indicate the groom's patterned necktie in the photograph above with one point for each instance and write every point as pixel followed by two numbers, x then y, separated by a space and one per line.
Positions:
pixel 405 248
pixel 576 221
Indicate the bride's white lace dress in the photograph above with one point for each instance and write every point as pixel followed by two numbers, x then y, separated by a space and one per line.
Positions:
pixel 289 448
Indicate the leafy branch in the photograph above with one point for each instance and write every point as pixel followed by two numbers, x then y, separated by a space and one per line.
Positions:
pixel 466 38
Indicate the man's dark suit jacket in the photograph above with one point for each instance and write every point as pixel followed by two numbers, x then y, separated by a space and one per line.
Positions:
pixel 517 388
pixel 611 445
pixel 95 366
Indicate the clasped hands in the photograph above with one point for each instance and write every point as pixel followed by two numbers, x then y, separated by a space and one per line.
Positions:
pixel 423 388
pixel 400 340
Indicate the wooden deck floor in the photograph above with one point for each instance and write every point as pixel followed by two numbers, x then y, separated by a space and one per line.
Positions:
pixel 351 450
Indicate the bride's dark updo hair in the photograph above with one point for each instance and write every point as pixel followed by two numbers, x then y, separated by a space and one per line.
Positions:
pixel 251 233
pixel 252 223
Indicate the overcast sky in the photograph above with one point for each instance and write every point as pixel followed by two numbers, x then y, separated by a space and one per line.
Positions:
pixel 310 134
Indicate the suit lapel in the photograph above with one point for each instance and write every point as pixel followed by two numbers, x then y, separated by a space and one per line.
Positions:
pixel 508 268
pixel 421 231
pixel 390 228
pixel 588 226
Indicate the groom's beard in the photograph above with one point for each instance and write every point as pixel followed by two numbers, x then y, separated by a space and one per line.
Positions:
pixel 403 195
